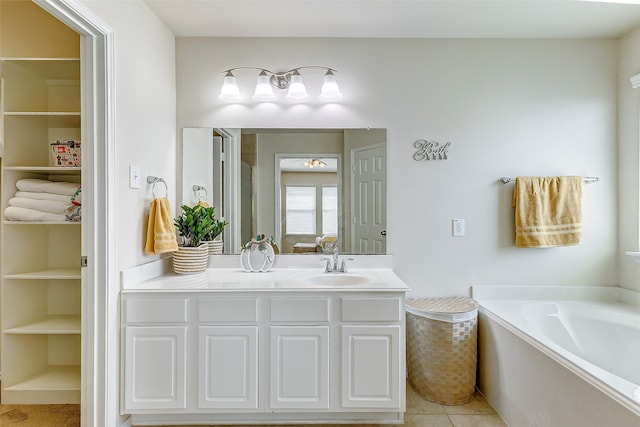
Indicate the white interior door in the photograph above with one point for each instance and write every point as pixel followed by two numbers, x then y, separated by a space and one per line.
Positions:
pixel 369 199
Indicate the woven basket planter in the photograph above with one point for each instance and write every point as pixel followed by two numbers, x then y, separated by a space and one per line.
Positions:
pixel 189 260
pixel 215 247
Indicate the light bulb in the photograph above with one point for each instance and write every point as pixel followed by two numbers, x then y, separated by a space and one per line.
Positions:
pixel 264 91
pixel 297 91
pixel 330 89
pixel 230 91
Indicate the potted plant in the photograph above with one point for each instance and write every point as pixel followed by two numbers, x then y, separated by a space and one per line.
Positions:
pixel 192 255
pixel 214 230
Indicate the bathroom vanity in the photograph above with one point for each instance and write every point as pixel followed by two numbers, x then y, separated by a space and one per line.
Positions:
pixel 290 345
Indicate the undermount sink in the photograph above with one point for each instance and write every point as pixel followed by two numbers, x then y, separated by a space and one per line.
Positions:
pixel 328 279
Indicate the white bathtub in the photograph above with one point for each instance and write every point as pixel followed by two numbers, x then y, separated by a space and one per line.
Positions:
pixel 592 333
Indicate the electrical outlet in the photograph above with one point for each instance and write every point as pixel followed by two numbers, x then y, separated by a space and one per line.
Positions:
pixel 134 176
pixel 458 227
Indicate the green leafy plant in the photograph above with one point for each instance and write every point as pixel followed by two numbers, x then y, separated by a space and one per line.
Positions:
pixel 192 225
pixel 215 225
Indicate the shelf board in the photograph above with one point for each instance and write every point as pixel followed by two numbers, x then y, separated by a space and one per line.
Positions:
pixel 53 119
pixel 42 113
pixel 45 169
pixel 6 222
pixel 50 325
pixel 52 273
pixel 50 68
pixel 53 378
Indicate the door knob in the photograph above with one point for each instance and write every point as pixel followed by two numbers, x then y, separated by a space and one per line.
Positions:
pixel 383 232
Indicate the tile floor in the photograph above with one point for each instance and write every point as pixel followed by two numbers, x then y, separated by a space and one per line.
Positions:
pixel 420 413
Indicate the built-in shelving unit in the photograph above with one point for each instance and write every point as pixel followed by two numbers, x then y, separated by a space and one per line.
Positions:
pixel 40 311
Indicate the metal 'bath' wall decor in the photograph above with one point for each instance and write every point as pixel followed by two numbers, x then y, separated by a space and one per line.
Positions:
pixel 430 150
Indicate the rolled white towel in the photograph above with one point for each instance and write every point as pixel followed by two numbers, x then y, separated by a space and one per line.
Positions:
pixel 46 186
pixel 51 206
pixel 14 213
pixel 43 196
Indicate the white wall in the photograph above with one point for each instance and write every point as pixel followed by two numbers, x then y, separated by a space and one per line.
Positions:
pixel 628 159
pixel 508 107
pixel 145 117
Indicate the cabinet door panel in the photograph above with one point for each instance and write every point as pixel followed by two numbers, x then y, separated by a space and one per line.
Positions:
pixel 154 367
pixel 228 367
pixel 371 367
pixel 299 367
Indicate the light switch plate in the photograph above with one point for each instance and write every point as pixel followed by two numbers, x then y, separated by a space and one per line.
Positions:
pixel 458 227
pixel 134 176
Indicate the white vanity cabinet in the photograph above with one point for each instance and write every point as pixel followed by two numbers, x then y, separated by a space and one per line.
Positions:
pixel 299 352
pixel 227 351
pixel 263 357
pixel 371 345
pixel 155 345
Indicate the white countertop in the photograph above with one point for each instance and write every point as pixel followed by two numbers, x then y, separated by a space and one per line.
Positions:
pixel 284 279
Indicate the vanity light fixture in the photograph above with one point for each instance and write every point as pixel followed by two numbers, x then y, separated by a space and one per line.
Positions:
pixel 290 80
pixel 230 91
pixel 313 163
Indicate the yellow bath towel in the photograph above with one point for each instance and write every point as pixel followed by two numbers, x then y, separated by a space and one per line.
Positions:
pixel 548 211
pixel 161 234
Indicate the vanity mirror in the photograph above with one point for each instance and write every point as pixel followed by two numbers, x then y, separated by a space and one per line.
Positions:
pixel 308 188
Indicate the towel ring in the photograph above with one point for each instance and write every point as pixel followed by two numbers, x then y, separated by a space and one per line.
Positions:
pixel 197 189
pixel 154 180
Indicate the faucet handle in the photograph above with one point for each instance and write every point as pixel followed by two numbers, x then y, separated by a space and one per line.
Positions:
pixel 343 266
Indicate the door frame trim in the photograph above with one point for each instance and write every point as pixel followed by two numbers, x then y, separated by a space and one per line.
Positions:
pixel 100 344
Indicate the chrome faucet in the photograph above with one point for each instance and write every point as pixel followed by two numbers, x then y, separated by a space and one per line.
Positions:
pixel 336 261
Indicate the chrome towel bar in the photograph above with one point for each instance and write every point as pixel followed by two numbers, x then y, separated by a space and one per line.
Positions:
pixel 587 179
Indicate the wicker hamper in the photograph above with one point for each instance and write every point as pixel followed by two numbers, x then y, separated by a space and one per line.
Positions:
pixel 442 348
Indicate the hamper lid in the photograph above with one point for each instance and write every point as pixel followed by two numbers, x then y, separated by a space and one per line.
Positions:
pixel 454 309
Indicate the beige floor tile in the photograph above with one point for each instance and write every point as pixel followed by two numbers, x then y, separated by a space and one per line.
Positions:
pixel 477 406
pixel 417 405
pixel 420 413
pixel 476 421
pixel 424 420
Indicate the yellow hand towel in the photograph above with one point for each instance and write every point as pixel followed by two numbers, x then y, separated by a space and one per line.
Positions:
pixel 161 234
pixel 548 211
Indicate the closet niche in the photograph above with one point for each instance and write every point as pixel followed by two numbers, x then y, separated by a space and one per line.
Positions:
pixel 41 282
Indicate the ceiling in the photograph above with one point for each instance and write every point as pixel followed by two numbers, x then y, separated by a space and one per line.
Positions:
pixel 399 18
